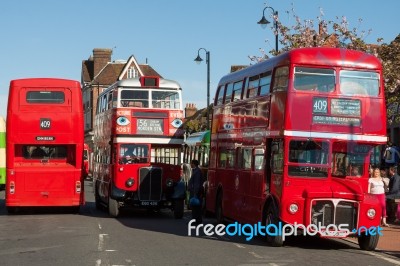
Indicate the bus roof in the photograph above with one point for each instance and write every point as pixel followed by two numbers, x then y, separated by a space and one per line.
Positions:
pixel 135 82
pixel 318 56
pixel 40 82
pixel 163 83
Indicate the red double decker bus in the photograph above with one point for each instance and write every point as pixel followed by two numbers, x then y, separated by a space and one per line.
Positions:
pixel 44 143
pixel 287 136
pixel 138 141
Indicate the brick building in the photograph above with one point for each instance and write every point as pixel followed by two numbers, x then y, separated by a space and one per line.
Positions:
pixel 98 73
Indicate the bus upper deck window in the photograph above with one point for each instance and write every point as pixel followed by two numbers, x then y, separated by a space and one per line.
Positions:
pixel 45 97
pixel 359 83
pixel 281 78
pixel 314 79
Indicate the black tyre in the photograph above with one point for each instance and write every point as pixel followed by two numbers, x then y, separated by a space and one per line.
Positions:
pixel 179 206
pixel 272 217
pixel 368 242
pixel 113 207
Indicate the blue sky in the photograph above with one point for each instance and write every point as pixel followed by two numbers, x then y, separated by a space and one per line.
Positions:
pixel 47 38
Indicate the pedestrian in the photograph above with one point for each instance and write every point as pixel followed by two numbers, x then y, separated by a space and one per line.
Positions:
pixel 391 155
pixel 195 188
pixel 376 187
pixel 393 195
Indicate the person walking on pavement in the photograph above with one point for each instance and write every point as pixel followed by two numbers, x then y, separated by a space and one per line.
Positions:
pixel 376 187
pixel 393 208
pixel 195 188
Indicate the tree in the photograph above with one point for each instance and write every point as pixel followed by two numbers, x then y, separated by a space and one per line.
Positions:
pixel 329 34
pixel 390 55
pixel 338 34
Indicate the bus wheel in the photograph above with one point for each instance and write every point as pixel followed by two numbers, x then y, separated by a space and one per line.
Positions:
pixel 368 242
pixel 179 206
pixel 271 217
pixel 218 209
pixel 113 207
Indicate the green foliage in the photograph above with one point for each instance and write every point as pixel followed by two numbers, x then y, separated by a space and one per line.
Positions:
pixel 193 125
pixel 338 34
pixel 390 55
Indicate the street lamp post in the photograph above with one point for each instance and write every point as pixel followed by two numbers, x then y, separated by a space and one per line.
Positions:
pixel 198 60
pixel 263 22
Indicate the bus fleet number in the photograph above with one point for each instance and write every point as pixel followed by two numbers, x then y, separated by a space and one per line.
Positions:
pixel 45 123
pixel 320 105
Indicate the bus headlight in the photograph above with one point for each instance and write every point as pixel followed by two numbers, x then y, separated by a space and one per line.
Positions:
pixel 169 182
pixel 130 182
pixel 371 213
pixel 293 208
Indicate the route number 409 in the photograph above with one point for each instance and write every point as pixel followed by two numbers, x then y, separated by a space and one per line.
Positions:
pixel 320 105
pixel 45 123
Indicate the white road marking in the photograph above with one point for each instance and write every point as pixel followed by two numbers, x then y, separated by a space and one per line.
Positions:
pixel 101 242
pixel 394 261
pixel 256 255
pixel 239 246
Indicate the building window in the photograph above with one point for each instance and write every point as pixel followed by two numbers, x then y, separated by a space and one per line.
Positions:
pixel 132 73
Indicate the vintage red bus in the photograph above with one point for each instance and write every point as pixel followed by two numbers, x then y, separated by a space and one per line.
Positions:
pixel 138 139
pixel 286 134
pixel 44 143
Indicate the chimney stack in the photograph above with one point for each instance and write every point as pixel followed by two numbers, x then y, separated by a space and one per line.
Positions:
pixel 101 56
pixel 190 110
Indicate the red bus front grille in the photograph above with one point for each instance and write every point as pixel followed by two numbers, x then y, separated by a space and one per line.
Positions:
pixel 326 212
pixel 150 183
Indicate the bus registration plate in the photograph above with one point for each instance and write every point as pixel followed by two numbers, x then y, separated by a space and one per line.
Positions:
pixel 149 203
pixel 337 233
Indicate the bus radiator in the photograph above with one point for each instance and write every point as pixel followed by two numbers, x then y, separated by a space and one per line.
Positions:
pixel 326 212
pixel 150 184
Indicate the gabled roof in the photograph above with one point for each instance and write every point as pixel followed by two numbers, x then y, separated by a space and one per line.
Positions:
pixel 131 60
pixel 113 71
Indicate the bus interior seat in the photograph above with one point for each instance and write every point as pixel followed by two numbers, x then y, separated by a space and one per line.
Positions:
pixel 135 104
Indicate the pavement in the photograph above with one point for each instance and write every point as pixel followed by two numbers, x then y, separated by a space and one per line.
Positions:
pixel 389 242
